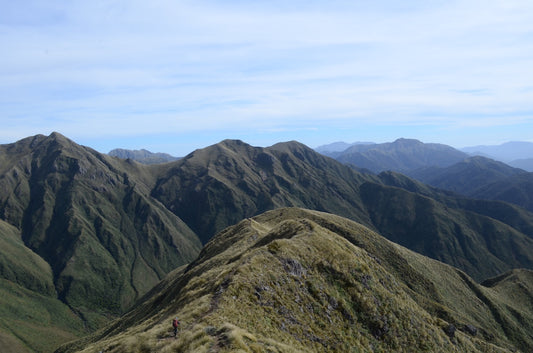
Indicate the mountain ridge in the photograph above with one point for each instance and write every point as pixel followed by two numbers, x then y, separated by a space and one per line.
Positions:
pixel 466 176
pixel 401 155
pixel 255 179
pixel 506 152
pixel 482 178
pixel 127 224
pixel 297 280
pixel 92 222
pixel 142 156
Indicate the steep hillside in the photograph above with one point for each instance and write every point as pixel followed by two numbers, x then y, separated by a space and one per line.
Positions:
pixel 29 309
pixel 217 186
pixel 517 217
pixel 224 183
pixel 483 178
pixel 466 176
pixel 292 280
pixel 33 322
pixel 92 221
pixel 517 189
pixel 401 155
pixel 22 266
pixel 473 242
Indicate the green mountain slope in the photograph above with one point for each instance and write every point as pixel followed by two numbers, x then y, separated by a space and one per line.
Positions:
pixel 466 176
pixel 517 189
pixel 482 178
pixel 217 186
pixel 292 280
pixel 107 229
pixel 29 309
pixel 479 245
pixel 20 265
pixel 222 184
pixel 90 217
pixel 33 322
pixel 516 217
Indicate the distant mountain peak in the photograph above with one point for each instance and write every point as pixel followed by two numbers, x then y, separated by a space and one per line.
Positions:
pixel 57 135
pixel 505 152
pixel 142 156
pixel 407 140
pixel 233 142
pixel 59 138
pixel 401 155
pixel 291 145
pixel 339 146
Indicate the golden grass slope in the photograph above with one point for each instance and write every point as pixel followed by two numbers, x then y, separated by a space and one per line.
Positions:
pixel 293 280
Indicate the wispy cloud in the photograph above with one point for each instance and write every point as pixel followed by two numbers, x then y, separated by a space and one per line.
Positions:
pixel 134 67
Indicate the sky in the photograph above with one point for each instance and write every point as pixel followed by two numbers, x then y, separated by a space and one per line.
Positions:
pixel 173 76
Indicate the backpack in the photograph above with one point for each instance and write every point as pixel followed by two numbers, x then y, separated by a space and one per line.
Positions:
pixel 175 323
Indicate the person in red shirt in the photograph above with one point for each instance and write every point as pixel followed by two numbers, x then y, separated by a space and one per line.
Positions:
pixel 175 324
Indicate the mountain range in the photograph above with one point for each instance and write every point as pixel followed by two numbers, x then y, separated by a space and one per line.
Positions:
pixel 404 155
pixel 401 155
pixel 483 178
pixel 142 156
pixel 446 168
pixel 89 237
pixel 294 280
pixel 87 234
pixel 506 152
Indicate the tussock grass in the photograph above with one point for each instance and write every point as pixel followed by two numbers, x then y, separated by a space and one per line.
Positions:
pixel 301 281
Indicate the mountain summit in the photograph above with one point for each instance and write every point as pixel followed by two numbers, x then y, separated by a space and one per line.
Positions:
pixel 142 156
pixel 90 234
pixel 91 219
pixel 215 187
pixel 401 155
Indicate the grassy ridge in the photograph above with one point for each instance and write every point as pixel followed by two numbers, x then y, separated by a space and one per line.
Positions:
pixel 301 281
pixel 215 187
pixel 218 186
pixel 109 229
pixel 478 244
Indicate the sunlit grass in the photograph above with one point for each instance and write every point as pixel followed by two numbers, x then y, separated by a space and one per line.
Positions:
pixel 289 283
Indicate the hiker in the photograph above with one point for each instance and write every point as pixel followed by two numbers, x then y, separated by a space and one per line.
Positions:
pixel 175 324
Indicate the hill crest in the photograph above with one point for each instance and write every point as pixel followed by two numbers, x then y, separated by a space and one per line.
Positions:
pixel 91 218
pixel 296 280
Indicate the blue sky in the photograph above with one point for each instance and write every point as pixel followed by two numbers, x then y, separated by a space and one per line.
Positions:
pixel 172 76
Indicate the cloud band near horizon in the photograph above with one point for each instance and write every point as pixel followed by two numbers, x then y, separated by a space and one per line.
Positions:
pixel 126 69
